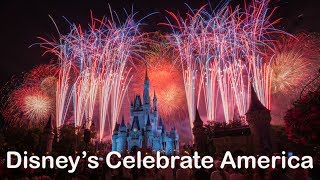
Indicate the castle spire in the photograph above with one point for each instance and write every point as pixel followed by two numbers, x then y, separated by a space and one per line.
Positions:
pixel 146 89
pixel 122 122
pixel 198 121
pixel 155 108
pixel 154 94
pixel 255 103
pixel 160 122
pixel 148 121
pixel 259 118
pixel 146 75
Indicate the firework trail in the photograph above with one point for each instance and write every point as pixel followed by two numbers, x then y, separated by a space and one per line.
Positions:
pixel 97 58
pixel 183 41
pixel 228 47
pixel 104 96
pixel 80 91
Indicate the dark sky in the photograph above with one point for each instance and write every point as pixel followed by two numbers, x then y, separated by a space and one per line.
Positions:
pixel 23 21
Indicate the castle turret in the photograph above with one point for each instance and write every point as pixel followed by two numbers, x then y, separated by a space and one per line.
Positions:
pixel 155 102
pixel 137 103
pixel 258 118
pixel 163 131
pixel 116 129
pixel 174 137
pixel 160 126
pixel 148 125
pixel 48 136
pixel 199 137
pixel 123 127
pixel 149 134
pixel 131 106
pixel 115 137
pixel 174 134
pixel 122 137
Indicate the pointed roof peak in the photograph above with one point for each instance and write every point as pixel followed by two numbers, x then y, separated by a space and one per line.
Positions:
pixel 135 123
pixel 198 115
pixel 146 75
pixel 148 121
pixel 163 131
pixel 255 103
pixel 122 122
pixel 160 122
pixel 197 121
pixel 116 127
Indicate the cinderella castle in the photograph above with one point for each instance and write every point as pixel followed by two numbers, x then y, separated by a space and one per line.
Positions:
pixel 145 130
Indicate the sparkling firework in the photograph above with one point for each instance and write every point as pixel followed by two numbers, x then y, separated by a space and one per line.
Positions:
pixel 227 46
pixel 38 74
pixel 34 104
pixel 37 86
pixel 37 106
pixel 98 59
pixel 295 60
pixel 183 40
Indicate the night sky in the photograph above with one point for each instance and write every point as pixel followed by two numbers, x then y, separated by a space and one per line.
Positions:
pixel 23 21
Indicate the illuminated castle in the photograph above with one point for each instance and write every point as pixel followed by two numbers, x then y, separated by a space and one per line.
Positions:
pixel 145 130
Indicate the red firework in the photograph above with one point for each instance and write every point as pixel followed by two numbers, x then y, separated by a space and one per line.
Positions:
pixel 39 73
pixel 165 79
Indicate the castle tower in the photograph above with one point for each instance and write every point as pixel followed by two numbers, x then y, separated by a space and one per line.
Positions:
pixel 198 134
pixel 155 102
pixel 149 133
pixel 115 137
pixel 163 136
pixel 258 118
pixel 146 89
pixel 155 113
pixel 159 126
pixel 148 125
pixel 175 137
pixel 122 136
pixel 48 136
pixel 123 127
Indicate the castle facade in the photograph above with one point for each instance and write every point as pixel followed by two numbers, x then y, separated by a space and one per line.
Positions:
pixel 145 130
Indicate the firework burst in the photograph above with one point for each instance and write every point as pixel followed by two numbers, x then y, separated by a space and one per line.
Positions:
pixel 29 106
pixel 37 106
pixel 295 60
pixel 167 84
